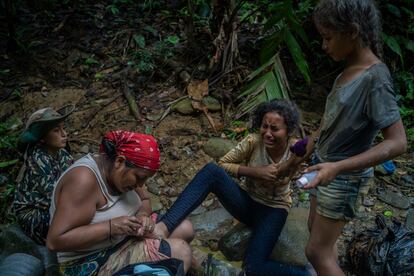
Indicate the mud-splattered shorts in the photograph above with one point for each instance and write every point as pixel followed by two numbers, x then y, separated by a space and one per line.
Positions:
pixel 340 198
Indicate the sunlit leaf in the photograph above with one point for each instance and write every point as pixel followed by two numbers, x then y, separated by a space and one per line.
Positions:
pixel 99 76
pixel 91 61
pixel 173 39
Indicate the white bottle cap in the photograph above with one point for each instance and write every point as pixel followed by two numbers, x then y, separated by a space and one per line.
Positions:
pixel 301 182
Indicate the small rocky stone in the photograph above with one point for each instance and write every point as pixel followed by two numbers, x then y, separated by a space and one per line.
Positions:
pixel 13 240
pixel 199 210
pixel 188 151
pixel 207 203
pixel 154 116
pixel 290 248
pixel 210 220
pixel 218 147
pixel 84 149
pixel 184 107
pixel 409 221
pixel 156 204
pixel 361 209
pixel 21 264
pixel 212 103
pixel 368 201
pixel 3 180
pixel 154 186
pixel 174 154
pixel 199 256
pixel 394 199
pixel 407 180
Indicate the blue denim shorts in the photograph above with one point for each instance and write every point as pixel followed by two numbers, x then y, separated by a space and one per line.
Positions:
pixel 339 199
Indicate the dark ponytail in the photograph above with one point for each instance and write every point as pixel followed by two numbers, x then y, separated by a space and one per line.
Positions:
pixel 108 147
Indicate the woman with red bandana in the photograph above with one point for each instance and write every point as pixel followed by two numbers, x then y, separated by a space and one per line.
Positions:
pixel 101 214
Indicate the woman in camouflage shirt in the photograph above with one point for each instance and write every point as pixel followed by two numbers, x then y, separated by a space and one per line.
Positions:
pixel 45 159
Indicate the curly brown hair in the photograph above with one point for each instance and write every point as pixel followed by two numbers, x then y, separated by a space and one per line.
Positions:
pixel 285 108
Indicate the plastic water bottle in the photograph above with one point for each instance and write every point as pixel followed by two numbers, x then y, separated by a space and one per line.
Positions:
pixel 305 179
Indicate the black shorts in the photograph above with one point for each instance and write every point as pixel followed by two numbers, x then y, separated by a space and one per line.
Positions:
pixel 165 248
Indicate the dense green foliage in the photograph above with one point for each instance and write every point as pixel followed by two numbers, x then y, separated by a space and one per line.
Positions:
pixel 398 29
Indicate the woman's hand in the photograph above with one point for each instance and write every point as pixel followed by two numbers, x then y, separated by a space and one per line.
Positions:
pixel 147 225
pixel 267 173
pixel 326 173
pixel 125 225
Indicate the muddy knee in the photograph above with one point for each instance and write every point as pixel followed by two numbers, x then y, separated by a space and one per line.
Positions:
pixel 181 250
pixel 187 230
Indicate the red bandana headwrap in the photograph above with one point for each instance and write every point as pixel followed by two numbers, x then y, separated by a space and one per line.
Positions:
pixel 139 149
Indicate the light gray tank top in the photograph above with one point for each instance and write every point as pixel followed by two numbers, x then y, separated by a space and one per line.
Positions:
pixel 126 204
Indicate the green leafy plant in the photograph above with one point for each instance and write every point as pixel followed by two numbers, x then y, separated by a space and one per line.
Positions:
pixel 6 197
pixel 237 130
pixel 144 60
pixel 8 134
pixel 173 39
pixel 90 61
pixel 113 9
pixel 399 53
pixel 100 76
pixel 5 164
pixel 139 41
pixel 286 27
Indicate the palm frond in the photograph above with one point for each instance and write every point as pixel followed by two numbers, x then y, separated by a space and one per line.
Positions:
pixel 271 85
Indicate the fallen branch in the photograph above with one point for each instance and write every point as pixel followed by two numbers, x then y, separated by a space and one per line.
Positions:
pixel 210 120
pixel 63 22
pixel 133 107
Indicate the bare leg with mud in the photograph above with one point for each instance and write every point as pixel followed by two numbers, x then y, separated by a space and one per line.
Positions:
pixel 321 250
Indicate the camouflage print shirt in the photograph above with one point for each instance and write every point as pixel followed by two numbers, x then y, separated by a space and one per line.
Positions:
pixel 42 170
